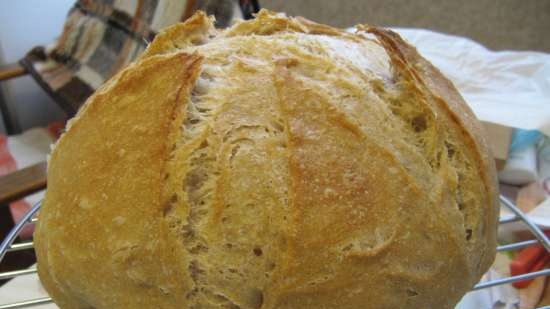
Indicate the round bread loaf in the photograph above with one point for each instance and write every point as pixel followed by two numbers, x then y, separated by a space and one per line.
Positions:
pixel 277 164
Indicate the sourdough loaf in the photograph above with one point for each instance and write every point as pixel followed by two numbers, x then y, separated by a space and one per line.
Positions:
pixel 277 164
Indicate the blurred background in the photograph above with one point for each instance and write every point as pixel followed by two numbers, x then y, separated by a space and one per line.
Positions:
pixel 24 25
pixel 498 24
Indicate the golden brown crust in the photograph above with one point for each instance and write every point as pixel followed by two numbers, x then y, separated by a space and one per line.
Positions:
pixel 171 39
pixel 87 223
pixel 366 209
pixel 456 113
pixel 268 23
pixel 277 164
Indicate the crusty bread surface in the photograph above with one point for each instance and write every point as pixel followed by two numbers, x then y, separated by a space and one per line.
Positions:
pixel 277 164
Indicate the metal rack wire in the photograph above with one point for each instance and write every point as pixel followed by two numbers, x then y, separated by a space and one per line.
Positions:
pixel 8 246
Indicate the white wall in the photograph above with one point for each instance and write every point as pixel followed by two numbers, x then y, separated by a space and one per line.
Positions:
pixel 23 25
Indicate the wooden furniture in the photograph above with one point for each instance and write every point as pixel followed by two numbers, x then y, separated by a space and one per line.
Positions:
pixel 8 72
pixel 22 183
pixel 11 71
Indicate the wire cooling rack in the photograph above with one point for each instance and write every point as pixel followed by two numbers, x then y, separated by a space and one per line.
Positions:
pixel 8 245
